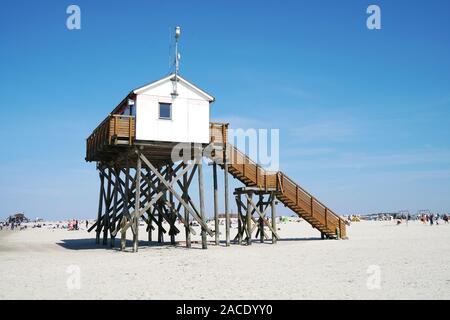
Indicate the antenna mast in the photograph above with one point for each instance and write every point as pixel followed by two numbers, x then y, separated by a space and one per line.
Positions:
pixel 177 60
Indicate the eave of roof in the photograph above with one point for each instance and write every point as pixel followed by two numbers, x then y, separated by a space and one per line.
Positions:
pixel 180 78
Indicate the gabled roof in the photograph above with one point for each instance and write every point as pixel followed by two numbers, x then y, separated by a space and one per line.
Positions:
pixel 180 79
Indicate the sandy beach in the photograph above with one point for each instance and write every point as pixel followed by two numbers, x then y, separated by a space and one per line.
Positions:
pixel 410 261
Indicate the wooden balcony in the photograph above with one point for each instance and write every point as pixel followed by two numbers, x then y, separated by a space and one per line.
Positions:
pixel 119 130
pixel 114 130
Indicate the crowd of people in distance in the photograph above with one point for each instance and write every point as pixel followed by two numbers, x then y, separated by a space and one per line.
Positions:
pixel 70 225
pixel 12 225
pixel 425 218
pixel 432 218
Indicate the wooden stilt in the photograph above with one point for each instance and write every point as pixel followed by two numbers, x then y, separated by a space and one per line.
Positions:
pixel 249 220
pixel 261 219
pixel 274 217
pixel 107 206
pixel 125 212
pixel 240 224
pixel 100 204
pixel 202 199
pixel 186 212
pixel 137 203
pixel 216 205
pixel 227 209
pixel 150 213
pixel 114 209
pixel 160 221
pixel 172 214
pixel 149 225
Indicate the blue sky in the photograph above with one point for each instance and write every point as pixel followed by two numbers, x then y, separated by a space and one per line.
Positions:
pixel 363 114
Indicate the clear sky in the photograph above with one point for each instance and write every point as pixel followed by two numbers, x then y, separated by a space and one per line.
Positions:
pixel 363 114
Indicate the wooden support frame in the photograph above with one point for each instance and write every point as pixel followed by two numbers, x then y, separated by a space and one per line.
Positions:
pixel 247 223
pixel 139 187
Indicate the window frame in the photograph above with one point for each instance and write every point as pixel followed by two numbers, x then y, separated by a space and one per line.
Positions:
pixel 170 111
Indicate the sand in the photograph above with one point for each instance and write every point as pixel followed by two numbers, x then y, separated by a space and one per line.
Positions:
pixel 379 261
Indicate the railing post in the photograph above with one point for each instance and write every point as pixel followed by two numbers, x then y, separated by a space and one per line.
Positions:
pixel 326 217
pixel 130 129
pixel 312 206
pixel 115 125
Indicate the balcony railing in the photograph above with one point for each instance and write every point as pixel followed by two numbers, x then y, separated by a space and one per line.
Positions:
pixel 113 130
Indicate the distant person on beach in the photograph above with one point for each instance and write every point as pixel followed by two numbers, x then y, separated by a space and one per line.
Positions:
pixel 431 219
pixel 87 224
pixel 445 218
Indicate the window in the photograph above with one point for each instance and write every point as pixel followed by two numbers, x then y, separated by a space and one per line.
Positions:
pixel 165 110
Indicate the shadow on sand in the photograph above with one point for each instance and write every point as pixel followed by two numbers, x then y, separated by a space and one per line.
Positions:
pixel 89 244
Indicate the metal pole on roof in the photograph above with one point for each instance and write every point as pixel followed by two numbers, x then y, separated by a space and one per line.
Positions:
pixel 177 58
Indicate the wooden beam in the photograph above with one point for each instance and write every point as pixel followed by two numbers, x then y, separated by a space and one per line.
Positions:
pixel 227 207
pixel 100 204
pixel 202 201
pixel 249 220
pixel 137 203
pixel 274 217
pixel 125 212
pixel 216 205
pixel 261 222
pixel 185 188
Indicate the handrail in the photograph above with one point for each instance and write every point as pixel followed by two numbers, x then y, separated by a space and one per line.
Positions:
pixel 308 194
pixel 106 120
pixel 328 215
pixel 112 126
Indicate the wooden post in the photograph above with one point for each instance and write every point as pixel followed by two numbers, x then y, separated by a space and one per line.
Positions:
pixel 249 219
pixel 100 205
pixel 340 228
pixel 149 225
pixel 186 212
pixel 240 227
pixel 107 206
pixel 137 203
pixel 227 209
pixel 261 221
pixel 114 212
pixel 172 214
pixel 160 222
pixel 123 235
pixel 202 198
pixel 216 205
pixel 274 217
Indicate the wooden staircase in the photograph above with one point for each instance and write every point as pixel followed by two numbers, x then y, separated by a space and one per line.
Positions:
pixel 287 191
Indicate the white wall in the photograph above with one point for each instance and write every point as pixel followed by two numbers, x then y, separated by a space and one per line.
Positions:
pixel 190 115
